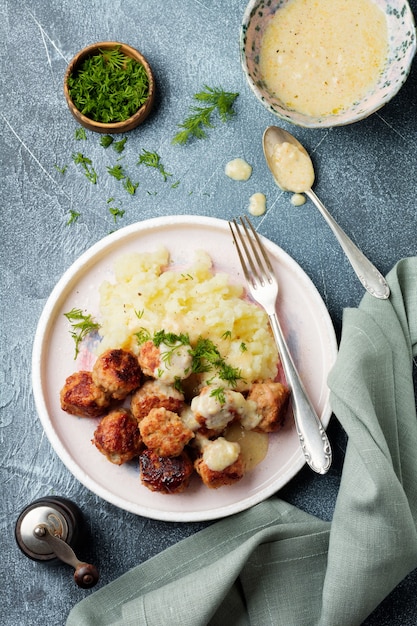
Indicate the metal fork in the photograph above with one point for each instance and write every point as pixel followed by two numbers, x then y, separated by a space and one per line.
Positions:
pixel 263 287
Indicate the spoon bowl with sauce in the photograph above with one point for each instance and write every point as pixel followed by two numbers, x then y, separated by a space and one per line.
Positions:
pixel 292 169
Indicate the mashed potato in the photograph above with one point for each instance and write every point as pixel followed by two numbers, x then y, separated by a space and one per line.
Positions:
pixel 149 294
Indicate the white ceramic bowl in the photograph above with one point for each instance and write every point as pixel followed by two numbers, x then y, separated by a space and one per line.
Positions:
pixel 402 47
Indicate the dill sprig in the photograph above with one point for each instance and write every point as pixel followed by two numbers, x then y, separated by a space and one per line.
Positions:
pixel 106 141
pixel 218 392
pixel 82 325
pixel 86 164
pixel 109 86
pixel 74 215
pixel 152 159
pixel 115 212
pixel 205 354
pixel 130 186
pixel 80 134
pixel 170 339
pixel 116 171
pixel 119 146
pixel 200 117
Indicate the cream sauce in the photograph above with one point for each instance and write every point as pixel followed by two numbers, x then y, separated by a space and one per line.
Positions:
pixel 319 58
pixel 257 204
pixel 174 363
pixel 298 199
pixel 217 415
pixel 238 169
pixel 253 445
pixel 220 453
pixel 292 168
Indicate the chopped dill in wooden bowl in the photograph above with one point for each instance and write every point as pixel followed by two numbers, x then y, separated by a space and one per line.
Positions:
pixel 109 87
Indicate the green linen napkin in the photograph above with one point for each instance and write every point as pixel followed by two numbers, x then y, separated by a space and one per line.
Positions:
pixel 275 564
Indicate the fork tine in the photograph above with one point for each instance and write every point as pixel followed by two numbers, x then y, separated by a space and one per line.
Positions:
pixel 250 270
pixel 236 237
pixel 252 254
pixel 261 246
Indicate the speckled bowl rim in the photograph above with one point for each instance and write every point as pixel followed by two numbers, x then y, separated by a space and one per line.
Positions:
pixel 117 127
pixel 402 51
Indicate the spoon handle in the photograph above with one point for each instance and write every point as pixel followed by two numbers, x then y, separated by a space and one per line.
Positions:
pixel 370 277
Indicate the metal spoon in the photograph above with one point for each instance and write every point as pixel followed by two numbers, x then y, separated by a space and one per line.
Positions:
pixel 370 277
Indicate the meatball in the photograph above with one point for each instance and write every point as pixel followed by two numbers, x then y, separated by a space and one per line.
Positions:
pixel 165 474
pixel 167 363
pixel 80 396
pixel 154 394
pixel 271 399
pixel 222 465
pixel 117 372
pixel 164 432
pixel 118 437
pixel 215 408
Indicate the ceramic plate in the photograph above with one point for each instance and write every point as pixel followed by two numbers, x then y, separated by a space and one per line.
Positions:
pixel 306 324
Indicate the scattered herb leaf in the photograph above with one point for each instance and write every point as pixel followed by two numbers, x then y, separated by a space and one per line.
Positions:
pixel 119 146
pixel 106 141
pixel 200 117
pixel 116 213
pixel 82 325
pixel 74 215
pixel 116 171
pixel 61 170
pixel 86 163
pixel 129 186
pixel 152 159
pixel 80 134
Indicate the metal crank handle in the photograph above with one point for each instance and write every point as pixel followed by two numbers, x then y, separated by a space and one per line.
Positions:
pixel 370 277
pixel 85 574
pixel 313 439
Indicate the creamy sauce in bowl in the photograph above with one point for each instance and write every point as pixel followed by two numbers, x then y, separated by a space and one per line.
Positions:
pixel 319 58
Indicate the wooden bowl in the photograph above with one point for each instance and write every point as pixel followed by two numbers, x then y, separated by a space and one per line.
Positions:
pixel 116 127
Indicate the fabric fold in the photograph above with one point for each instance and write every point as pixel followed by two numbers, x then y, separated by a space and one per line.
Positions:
pixel 277 565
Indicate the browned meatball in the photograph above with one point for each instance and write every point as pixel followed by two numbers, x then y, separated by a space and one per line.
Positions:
pixel 80 396
pixel 149 358
pixel 214 479
pixel 166 362
pixel 118 437
pixel 164 432
pixel 214 413
pixel 165 474
pixel 154 394
pixel 271 399
pixel 117 372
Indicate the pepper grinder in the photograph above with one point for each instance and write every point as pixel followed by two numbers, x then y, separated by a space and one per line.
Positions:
pixel 47 529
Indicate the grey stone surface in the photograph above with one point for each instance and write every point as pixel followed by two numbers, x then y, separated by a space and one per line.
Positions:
pixel 366 175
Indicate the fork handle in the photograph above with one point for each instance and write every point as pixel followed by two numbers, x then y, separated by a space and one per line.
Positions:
pixel 313 439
